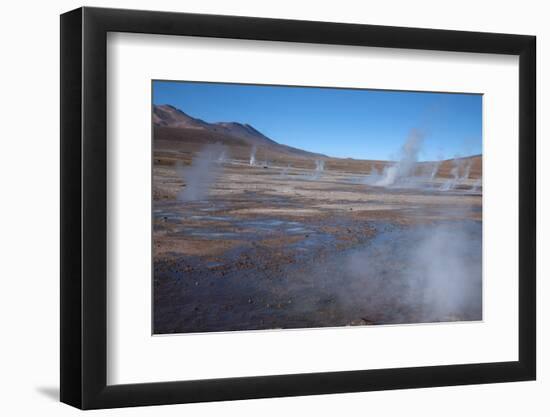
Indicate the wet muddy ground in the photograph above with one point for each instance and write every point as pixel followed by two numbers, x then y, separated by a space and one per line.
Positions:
pixel 274 247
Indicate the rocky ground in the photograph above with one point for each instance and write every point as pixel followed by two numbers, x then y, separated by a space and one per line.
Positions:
pixel 271 246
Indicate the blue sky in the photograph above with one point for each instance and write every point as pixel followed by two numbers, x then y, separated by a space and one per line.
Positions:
pixel 361 124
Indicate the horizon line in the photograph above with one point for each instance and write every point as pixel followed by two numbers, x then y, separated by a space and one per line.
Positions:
pixel 302 149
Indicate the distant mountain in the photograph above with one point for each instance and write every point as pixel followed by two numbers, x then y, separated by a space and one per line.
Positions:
pixel 244 131
pixel 168 116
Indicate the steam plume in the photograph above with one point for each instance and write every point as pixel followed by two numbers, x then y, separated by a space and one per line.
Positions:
pixel 253 156
pixel 459 165
pixel 319 168
pixel 202 173
pixel 429 273
pixel 406 165
pixel 435 168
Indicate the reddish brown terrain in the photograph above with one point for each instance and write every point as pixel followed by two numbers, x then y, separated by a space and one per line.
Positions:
pixel 252 234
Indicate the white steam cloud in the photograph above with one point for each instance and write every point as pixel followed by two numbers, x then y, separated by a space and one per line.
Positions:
pixel 405 167
pixel 460 172
pixel 202 173
pixel 427 273
pixel 253 156
pixel 319 168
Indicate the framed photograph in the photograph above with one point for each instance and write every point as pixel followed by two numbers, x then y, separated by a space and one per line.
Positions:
pixel 257 208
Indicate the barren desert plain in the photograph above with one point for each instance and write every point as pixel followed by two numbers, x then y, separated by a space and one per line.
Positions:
pixel 250 234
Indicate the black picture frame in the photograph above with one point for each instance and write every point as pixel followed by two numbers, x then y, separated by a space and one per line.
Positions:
pixel 84 207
